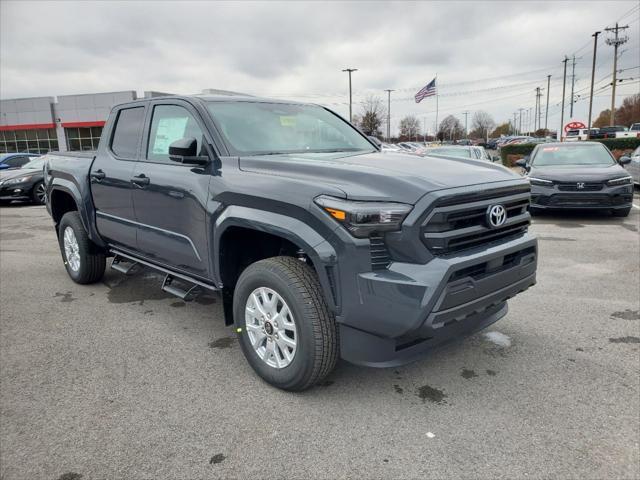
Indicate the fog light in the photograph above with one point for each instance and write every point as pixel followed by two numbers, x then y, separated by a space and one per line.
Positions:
pixel 17 190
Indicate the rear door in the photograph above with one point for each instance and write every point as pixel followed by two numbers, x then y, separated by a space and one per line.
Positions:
pixel 111 174
pixel 170 198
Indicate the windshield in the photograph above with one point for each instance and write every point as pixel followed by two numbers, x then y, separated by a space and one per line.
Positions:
pixel 255 128
pixel 573 155
pixel 453 152
pixel 35 163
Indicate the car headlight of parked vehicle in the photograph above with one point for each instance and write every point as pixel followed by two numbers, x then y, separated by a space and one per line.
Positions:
pixel 619 181
pixel 540 182
pixel 363 218
pixel 15 181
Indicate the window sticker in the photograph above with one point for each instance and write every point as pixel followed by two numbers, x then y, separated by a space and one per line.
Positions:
pixel 287 121
pixel 169 130
pixel 550 149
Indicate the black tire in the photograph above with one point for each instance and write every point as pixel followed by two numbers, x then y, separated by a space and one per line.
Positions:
pixel 92 259
pixel 316 331
pixel 38 195
pixel 622 212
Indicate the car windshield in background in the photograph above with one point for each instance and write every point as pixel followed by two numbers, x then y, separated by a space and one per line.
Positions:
pixel 452 152
pixel 35 163
pixel 583 155
pixel 255 128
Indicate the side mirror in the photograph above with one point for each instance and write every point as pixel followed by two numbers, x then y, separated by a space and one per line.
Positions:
pixel 185 151
pixel 522 162
pixel 623 160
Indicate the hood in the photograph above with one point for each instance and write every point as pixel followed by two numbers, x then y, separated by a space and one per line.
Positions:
pixel 380 175
pixel 17 172
pixel 578 173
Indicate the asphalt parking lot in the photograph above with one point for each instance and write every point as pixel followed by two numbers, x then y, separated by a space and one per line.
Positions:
pixel 120 380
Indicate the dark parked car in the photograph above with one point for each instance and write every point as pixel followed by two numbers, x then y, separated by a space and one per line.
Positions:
pixel 607 132
pixel 15 160
pixel 577 176
pixel 24 183
pixel 321 245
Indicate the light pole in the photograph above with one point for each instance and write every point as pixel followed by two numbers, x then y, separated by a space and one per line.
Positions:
pixel 546 108
pixel 466 114
pixel 349 70
pixel 564 87
pixel 388 114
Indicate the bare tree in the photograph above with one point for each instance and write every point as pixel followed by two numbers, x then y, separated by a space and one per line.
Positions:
pixel 450 129
pixel 409 127
pixel 373 115
pixel 482 123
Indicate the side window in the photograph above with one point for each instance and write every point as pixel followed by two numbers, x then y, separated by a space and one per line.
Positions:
pixel 126 134
pixel 17 161
pixel 168 124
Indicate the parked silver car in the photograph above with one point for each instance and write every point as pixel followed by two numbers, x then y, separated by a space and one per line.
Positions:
pixel 633 167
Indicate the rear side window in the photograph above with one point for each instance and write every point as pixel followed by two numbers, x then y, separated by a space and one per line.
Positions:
pixel 126 134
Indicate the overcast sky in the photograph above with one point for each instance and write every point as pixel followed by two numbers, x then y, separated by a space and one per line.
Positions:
pixel 487 55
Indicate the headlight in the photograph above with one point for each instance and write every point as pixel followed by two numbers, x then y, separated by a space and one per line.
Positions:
pixel 363 218
pixel 540 182
pixel 619 181
pixel 13 181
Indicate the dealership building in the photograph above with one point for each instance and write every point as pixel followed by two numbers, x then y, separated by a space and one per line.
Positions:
pixel 64 123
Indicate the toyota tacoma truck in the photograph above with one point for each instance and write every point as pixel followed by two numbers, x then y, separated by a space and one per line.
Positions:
pixel 320 245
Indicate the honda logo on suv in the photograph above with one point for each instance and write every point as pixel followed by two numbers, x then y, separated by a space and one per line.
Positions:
pixel 580 185
pixel 496 216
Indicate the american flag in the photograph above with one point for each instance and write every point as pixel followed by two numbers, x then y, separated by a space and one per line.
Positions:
pixel 428 91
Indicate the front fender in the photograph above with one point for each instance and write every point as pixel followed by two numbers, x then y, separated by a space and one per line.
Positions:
pixel 319 251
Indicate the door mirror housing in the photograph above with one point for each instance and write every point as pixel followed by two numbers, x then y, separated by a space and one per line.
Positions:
pixel 522 162
pixel 623 160
pixel 185 151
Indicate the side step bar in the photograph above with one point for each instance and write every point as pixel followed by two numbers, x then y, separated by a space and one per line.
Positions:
pixel 186 295
pixel 123 265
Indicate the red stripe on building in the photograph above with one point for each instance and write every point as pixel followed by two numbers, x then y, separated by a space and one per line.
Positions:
pixel 27 126
pixel 83 124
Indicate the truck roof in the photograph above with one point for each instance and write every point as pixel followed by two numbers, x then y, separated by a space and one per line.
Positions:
pixel 217 98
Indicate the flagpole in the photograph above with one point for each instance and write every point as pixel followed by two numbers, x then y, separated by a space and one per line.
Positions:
pixel 436 106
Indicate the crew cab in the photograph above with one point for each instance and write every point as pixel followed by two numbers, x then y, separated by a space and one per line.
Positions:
pixel 320 245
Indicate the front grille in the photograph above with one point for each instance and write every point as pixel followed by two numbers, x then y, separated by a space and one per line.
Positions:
pixel 560 200
pixel 580 187
pixel 458 223
pixel 380 258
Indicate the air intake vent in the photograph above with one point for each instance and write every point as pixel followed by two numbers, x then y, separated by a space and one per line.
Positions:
pixel 379 254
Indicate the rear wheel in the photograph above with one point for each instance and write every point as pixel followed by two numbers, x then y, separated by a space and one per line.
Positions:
pixel 84 261
pixel 286 331
pixel 39 193
pixel 622 212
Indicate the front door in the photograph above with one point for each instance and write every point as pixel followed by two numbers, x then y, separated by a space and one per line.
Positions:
pixel 170 198
pixel 110 177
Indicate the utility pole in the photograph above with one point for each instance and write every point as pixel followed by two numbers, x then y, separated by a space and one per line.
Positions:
pixel 564 86
pixel 546 110
pixel 536 118
pixel 593 73
pixel 573 83
pixel 350 101
pixel 616 42
pixel 388 114
pixel 520 120
pixel 514 122
pixel 539 108
pixel 466 132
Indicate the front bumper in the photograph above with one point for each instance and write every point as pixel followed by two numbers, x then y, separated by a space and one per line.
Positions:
pixel 18 191
pixel 607 198
pixel 402 313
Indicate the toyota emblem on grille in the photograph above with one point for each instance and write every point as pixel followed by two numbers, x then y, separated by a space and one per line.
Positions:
pixel 580 185
pixel 496 216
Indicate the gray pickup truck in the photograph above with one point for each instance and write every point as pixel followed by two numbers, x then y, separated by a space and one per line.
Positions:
pixel 321 245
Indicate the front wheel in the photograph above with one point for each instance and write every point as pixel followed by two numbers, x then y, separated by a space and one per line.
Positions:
pixel 84 261
pixel 39 194
pixel 286 331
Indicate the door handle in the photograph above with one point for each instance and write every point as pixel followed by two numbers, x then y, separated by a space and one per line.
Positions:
pixel 140 180
pixel 98 175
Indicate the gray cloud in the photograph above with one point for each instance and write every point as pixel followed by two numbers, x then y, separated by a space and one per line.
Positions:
pixel 298 49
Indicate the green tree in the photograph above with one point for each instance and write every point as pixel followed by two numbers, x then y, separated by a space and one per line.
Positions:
pixel 502 129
